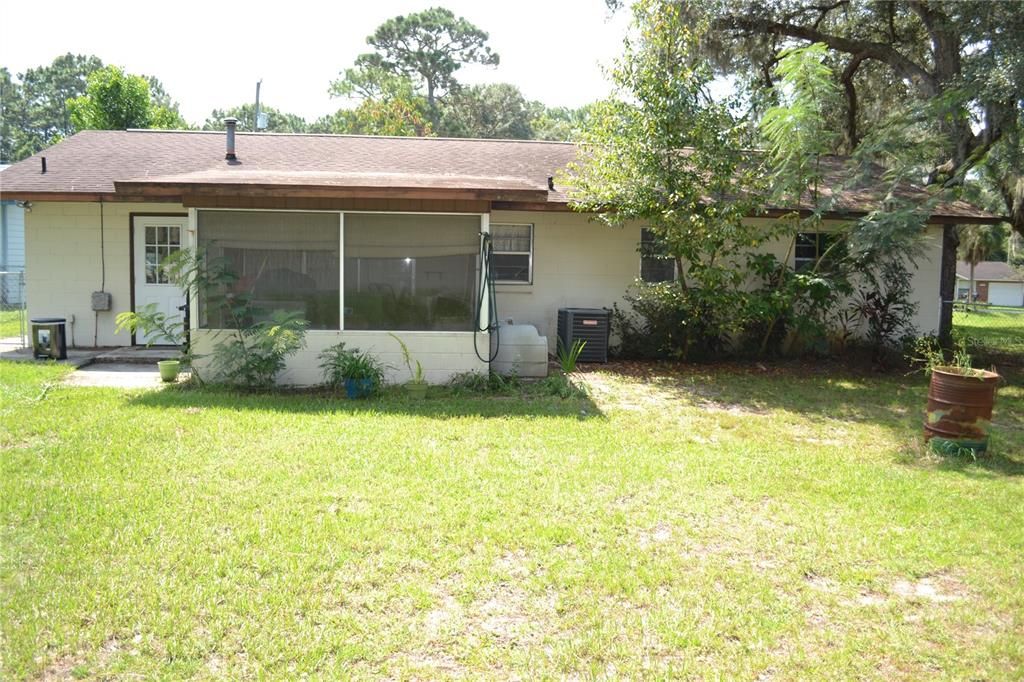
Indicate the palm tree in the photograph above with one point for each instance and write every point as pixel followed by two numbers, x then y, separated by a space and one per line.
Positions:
pixel 977 242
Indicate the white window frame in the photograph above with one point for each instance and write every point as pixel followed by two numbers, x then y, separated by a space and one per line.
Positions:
pixel 640 262
pixel 517 282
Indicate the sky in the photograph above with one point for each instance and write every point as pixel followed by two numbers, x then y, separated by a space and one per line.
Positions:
pixel 211 54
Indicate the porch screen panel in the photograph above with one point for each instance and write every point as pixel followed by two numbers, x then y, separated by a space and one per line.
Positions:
pixel 283 261
pixel 410 272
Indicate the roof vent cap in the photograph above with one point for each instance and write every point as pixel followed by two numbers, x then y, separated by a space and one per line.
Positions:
pixel 229 124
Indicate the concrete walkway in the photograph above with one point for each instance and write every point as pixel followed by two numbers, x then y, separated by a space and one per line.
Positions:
pixel 116 375
pixel 128 367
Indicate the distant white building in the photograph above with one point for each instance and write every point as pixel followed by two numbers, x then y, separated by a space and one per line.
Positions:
pixel 12 251
pixel 995 283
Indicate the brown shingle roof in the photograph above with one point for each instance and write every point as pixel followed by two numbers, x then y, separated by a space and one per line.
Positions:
pixel 988 271
pixel 134 162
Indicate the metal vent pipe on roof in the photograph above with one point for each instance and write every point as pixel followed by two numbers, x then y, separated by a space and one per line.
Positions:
pixel 230 124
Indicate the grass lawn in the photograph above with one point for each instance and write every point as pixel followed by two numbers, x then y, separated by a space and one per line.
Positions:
pixel 997 329
pixel 9 325
pixel 697 522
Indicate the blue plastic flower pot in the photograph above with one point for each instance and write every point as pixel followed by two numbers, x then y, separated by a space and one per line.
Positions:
pixel 359 388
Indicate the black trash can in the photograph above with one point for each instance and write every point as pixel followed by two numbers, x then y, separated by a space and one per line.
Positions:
pixel 48 338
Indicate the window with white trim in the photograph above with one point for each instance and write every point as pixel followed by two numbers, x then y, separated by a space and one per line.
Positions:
pixel 513 253
pixel 655 266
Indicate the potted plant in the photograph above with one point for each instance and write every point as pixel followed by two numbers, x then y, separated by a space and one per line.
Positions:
pixel 356 370
pixel 158 327
pixel 960 399
pixel 416 387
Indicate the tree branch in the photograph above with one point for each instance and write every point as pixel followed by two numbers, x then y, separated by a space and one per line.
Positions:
pixel 902 65
pixel 850 129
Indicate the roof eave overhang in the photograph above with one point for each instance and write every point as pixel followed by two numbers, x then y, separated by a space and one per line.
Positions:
pixel 181 191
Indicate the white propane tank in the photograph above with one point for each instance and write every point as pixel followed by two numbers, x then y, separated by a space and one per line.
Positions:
pixel 522 351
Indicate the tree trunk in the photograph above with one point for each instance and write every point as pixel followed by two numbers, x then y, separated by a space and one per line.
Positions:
pixel 947 284
pixel 970 285
pixel 432 112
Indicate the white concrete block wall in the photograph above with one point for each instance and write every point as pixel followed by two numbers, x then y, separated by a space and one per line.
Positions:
pixel 578 262
pixel 63 264
pixel 442 354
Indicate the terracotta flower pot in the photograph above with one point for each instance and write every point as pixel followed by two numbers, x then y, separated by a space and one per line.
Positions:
pixel 959 409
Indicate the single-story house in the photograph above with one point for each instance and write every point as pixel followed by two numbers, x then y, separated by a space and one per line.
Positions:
pixel 995 283
pixel 365 235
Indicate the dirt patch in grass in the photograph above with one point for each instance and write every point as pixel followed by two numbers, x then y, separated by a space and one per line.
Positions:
pixel 938 588
pixel 62 668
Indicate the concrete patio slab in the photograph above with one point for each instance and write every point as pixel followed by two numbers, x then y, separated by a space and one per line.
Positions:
pixel 77 357
pixel 12 349
pixel 141 354
pixel 118 375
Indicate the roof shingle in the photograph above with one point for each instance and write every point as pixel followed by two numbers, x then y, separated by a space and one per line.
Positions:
pixel 95 162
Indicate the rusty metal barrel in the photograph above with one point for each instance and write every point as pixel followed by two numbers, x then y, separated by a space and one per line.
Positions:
pixel 959 409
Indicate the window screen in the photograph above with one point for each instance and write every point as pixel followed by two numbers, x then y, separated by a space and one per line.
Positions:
pixel 654 265
pixel 410 272
pixel 284 261
pixel 513 253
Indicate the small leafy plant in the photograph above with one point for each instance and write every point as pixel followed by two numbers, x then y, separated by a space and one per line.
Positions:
pixel 414 366
pixel 341 365
pixel 154 324
pixel 930 356
pixel 253 356
pixel 567 357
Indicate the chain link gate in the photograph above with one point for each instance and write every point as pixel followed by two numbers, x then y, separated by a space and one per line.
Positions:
pixel 995 332
pixel 13 312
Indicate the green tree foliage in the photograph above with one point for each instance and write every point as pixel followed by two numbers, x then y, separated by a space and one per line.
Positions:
pixel 495 111
pixel 394 117
pixel 388 105
pixel 277 121
pixel 560 123
pixel 663 152
pixel 954 69
pixel 12 115
pixel 34 104
pixel 115 100
pixel 427 48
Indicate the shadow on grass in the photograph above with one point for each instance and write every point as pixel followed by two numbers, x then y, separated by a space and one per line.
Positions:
pixel 988 465
pixel 829 390
pixel 440 403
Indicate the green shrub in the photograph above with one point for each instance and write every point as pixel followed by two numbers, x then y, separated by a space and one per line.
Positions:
pixel 561 386
pixel 475 382
pixel 339 364
pixel 666 320
pixel 253 356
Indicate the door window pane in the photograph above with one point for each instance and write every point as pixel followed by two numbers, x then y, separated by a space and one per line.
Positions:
pixel 410 272
pixel 282 261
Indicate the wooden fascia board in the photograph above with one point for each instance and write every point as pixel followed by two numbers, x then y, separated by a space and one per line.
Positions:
pixel 178 190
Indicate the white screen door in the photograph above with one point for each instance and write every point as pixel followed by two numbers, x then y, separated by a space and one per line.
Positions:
pixel 156 239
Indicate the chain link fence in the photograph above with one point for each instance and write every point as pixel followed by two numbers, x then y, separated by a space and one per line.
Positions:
pixel 997 332
pixel 13 314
